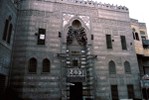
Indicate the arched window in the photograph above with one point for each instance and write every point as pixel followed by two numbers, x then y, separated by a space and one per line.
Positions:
pixel 76 24
pixel 133 31
pixel 127 67
pixel 9 33
pixel 137 36
pixel 46 65
pixel 7 30
pixel 112 68
pixel 32 67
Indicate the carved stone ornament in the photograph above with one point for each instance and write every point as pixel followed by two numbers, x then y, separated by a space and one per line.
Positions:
pixel 79 34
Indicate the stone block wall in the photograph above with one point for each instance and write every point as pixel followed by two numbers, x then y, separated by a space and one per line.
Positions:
pixel 55 17
pixel 7 9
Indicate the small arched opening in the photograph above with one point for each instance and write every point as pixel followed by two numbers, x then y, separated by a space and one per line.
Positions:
pixel 76 24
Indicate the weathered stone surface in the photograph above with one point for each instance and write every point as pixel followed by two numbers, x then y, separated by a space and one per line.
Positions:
pixel 56 16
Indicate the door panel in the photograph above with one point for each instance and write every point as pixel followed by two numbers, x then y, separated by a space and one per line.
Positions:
pixel 76 91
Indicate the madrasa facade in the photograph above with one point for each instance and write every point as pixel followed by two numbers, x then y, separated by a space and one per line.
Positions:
pixel 67 50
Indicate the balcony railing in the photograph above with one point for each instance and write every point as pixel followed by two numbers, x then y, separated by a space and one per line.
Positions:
pixel 145 43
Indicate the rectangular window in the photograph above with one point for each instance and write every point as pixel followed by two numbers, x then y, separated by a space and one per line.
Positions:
pixel 146 70
pixel 75 62
pixel 92 37
pixel 123 43
pixel 142 32
pixel 143 37
pixel 41 36
pixel 59 34
pixel 108 41
pixel 114 92
pixel 130 90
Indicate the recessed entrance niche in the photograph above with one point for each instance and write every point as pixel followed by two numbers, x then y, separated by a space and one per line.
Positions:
pixel 76 34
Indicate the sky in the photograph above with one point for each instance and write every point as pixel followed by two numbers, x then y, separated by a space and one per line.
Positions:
pixel 138 9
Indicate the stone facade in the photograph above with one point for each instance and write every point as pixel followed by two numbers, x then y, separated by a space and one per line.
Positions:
pixel 140 36
pixel 56 17
pixel 7 10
